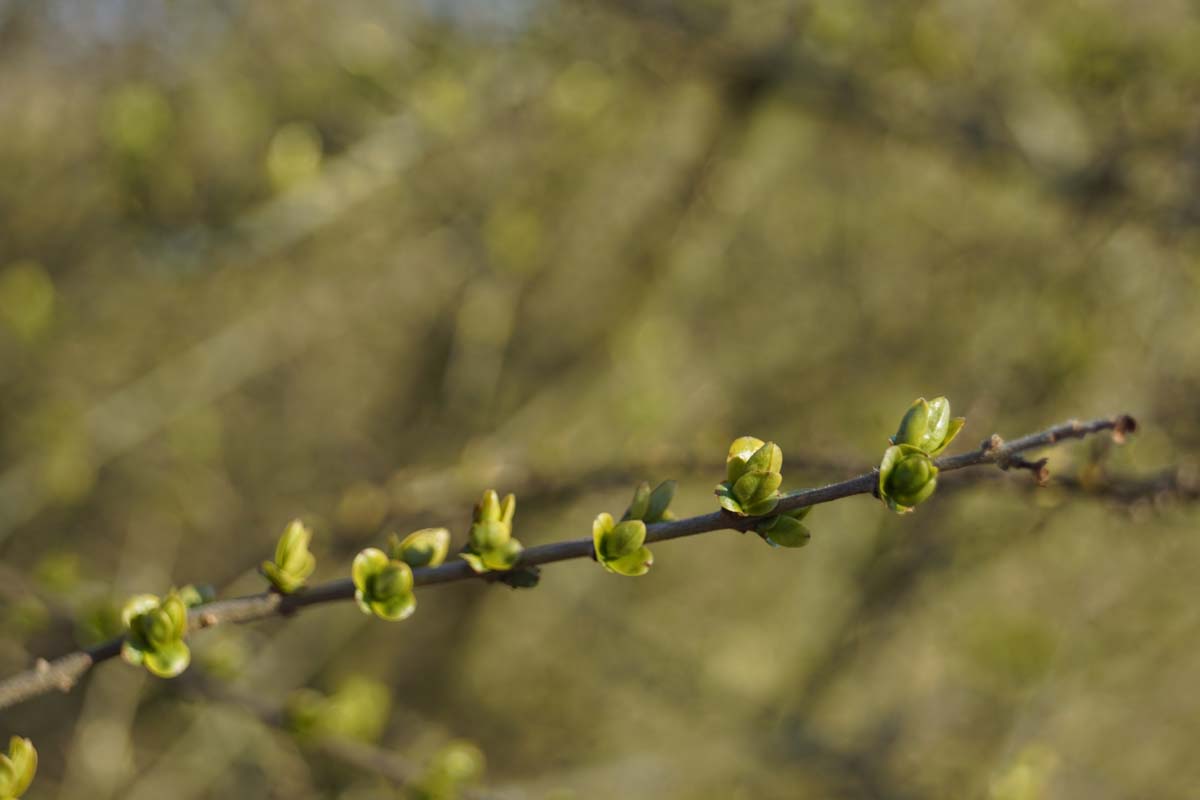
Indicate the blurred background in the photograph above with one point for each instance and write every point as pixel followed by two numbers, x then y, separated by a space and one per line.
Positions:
pixel 357 262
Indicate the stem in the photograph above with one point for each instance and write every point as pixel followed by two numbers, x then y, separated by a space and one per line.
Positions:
pixel 63 673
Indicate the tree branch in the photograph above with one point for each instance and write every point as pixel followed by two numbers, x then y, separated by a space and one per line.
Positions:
pixel 63 673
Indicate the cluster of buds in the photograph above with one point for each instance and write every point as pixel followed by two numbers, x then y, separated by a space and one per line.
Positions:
pixel 154 631
pixel 907 474
pixel 383 582
pixel 752 477
pixel 620 547
pixel 490 544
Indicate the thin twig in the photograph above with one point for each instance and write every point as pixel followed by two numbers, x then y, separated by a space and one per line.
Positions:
pixel 63 673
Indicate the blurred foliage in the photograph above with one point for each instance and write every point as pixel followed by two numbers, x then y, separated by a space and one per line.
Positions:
pixel 356 262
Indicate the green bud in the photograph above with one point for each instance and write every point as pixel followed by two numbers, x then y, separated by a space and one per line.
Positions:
pixel 753 477
pixel 424 548
pixel 490 545
pixel 786 530
pixel 293 562
pixel 17 768
pixel 620 547
pixel 154 634
pixel 303 709
pixel 651 506
pixel 928 426
pixel 907 476
pixel 382 585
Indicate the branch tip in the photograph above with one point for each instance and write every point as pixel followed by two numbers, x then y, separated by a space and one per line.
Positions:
pixel 1122 426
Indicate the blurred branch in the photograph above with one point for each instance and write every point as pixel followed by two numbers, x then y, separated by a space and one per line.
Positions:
pixel 360 755
pixel 974 126
pixel 63 673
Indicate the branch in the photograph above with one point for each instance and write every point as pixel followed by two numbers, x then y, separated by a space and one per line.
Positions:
pixel 63 673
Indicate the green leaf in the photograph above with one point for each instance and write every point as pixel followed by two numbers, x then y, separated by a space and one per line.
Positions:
pixel 739 453
pixel 601 526
pixel 625 538
pixel 938 424
pixel 475 562
pixel 761 507
pixel 508 509
pixel 503 557
pixel 369 562
pixel 768 487
pixel 488 535
pixel 285 582
pixel 427 547
pixel 640 503
pixel 176 612
pixel 169 659
pixel 488 508
pixel 393 580
pixel 952 430
pixel 768 458
pixel 632 564
pixel 660 502
pixel 136 606
pixel 786 531
pixel 132 652
pixel 747 486
pixel 726 499
pixel 913 424
pixel 395 608
pixel 291 552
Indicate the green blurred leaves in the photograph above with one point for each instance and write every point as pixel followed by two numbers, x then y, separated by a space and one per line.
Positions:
pixel 458 764
pixel 294 562
pixel 490 544
pixel 358 710
pixel 17 768
pixel 154 633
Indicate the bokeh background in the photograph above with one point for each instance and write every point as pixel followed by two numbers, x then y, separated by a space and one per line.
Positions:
pixel 358 261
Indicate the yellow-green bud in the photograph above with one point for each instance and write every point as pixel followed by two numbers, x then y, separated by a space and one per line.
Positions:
pixel 620 547
pixel 17 768
pixel 753 477
pixel 928 426
pixel 383 586
pixel 907 476
pixel 293 563
pixel 424 548
pixel 154 634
